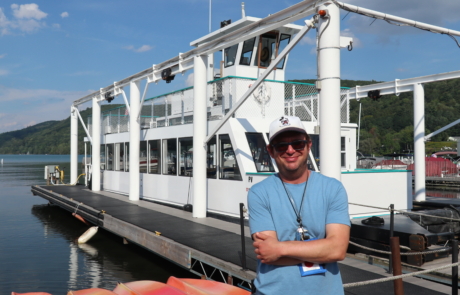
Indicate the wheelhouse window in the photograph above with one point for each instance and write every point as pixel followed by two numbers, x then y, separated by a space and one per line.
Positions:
pixel 143 156
pixel 211 159
pixel 154 156
pixel 228 164
pixel 246 53
pixel 230 55
pixel 342 152
pixel 284 41
pixel 109 156
pixel 266 50
pixel 102 157
pixel 186 156
pixel 119 156
pixel 170 156
pixel 259 152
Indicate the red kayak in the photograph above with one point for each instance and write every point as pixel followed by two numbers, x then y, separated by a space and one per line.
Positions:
pixel 174 286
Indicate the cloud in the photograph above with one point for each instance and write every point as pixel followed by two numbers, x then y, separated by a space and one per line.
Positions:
pixel 356 41
pixel 308 40
pixel 4 23
pixel 189 80
pixel 3 72
pixel 143 48
pixel 26 18
pixel 64 14
pixel 2 55
pixel 27 11
pixel 56 26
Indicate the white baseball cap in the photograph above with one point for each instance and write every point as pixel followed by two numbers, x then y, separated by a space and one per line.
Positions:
pixel 285 123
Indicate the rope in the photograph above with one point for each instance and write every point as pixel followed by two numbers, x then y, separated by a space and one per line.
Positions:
pixel 77 207
pixel 363 283
pixel 405 212
pixel 403 254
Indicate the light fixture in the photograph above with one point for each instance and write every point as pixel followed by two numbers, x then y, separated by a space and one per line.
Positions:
pixel 108 96
pixel 166 75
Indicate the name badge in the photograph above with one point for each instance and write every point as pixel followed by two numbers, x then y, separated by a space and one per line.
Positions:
pixel 310 268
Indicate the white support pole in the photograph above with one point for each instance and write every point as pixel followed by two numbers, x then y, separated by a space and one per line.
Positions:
pixel 419 142
pixel 134 141
pixel 329 78
pixel 73 144
pixel 96 150
pixel 199 136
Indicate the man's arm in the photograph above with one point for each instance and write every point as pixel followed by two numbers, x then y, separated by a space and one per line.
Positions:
pixel 330 249
pixel 272 235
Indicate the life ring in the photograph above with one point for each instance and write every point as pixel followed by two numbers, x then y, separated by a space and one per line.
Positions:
pixel 265 54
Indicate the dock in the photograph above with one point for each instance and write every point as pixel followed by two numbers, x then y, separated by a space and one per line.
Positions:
pixel 207 247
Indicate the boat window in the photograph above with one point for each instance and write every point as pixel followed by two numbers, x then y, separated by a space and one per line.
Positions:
pixel 119 156
pixel 246 53
pixel 266 50
pixel 259 152
pixel 170 156
pixel 211 158
pixel 228 165
pixel 127 156
pixel 230 55
pixel 143 156
pixel 109 154
pixel 102 156
pixel 186 156
pixel 154 156
pixel 284 41
pixel 342 151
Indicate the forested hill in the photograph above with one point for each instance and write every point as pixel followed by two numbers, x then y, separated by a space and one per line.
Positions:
pixel 386 124
pixel 50 137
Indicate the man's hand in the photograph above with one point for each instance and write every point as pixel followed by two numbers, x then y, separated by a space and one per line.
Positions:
pixel 267 248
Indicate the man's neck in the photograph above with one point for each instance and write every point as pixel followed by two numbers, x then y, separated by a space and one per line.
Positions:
pixel 295 179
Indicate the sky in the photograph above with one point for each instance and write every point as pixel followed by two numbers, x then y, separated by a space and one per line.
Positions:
pixel 54 52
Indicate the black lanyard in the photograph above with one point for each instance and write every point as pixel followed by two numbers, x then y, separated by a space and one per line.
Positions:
pixel 297 213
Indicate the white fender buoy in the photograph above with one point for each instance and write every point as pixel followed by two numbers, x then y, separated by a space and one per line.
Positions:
pixel 87 235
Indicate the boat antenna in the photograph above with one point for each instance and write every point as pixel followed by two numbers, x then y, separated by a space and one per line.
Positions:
pixel 243 13
pixel 210 13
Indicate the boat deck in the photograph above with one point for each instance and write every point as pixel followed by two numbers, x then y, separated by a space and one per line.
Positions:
pixel 198 244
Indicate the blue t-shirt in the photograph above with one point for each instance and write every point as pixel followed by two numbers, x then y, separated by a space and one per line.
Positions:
pixel 325 202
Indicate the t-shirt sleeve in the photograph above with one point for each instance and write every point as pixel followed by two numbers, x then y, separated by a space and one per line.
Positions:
pixel 260 218
pixel 338 206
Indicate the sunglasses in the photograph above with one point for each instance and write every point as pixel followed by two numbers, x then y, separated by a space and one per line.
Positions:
pixel 297 145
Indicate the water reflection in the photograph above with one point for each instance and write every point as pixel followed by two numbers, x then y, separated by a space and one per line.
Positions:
pixel 38 251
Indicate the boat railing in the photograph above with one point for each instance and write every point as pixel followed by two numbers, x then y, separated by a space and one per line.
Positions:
pixel 176 108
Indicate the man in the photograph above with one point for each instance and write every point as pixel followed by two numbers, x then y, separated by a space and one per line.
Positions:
pixel 298 218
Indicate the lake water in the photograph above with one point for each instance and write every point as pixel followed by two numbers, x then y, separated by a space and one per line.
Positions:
pixel 38 251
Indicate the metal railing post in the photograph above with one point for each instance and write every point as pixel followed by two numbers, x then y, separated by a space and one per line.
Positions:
pixel 454 268
pixel 392 221
pixel 243 244
pixel 397 269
